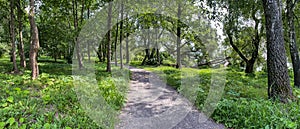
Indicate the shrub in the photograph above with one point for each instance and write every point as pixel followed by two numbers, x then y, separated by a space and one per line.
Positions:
pixel 50 101
pixel 3 50
pixel 247 113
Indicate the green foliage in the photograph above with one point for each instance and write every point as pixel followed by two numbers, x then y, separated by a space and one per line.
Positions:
pixel 50 101
pixel 237 113
pixel 3 49
pixel 244 103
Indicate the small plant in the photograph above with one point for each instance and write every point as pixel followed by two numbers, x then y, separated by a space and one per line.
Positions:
pixel 50 101
pixel 244 103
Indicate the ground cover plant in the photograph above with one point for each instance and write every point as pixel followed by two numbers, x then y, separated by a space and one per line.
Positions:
pixel 50 101
pixel 244 103
pixel 40 39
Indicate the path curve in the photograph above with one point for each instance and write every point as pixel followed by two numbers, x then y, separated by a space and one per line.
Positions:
pixel 151 104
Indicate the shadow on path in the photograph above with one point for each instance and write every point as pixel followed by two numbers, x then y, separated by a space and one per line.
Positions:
pixel 151 104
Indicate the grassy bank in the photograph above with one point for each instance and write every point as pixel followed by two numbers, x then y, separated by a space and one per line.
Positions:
pixel 50 101
pixel 244 102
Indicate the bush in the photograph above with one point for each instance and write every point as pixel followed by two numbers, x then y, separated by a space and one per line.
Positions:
pixel 51 101
pixel 245 113
pixel 3 50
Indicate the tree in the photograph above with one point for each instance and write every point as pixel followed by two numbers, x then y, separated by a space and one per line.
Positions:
pixel 242 37
pixel 108 67
pixel 292 41
pixel 21 43
pixel 76 27
pixel 178 33
pixel 12 36
pixel 121 34
pixel 278 79
pixel 127 41
pixel 34 44
pixel 115 44
pixel 238 33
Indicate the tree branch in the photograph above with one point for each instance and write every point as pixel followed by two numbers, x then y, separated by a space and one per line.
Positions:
pixel 294 4
pixel 235 47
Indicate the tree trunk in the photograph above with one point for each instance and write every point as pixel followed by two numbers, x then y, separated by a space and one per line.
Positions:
pixel 108 67
pixel 158 57
pixel 292 42
pixel 99 52
pixel 88 44
pixel 12 37
pixel 70 48
pixel 278 78
pixel 250 66
pixel 178 64
pixel 127 49
pixel 147 56
pixel 104 52
pixel 77 45
pixel 157 48
pixel 21 43
pixel 152 53
pixel 121 34
pixel 34 46
pixel 127 43
pixel 82 11
pixel 255 41
pixel 55 58
pixel 115 46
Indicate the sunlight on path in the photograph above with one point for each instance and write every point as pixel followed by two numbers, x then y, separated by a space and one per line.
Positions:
pixel 151 104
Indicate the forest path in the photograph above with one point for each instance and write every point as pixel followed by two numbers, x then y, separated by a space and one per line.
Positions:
pixel 151 104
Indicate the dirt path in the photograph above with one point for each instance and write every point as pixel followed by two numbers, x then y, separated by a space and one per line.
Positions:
pixel 151 104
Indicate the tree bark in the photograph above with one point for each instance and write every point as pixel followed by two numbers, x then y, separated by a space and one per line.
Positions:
pixel 99 52
pixel 152 53
pixel 121 34
pixel 34 46
pixel 127 49
pixel 127 42
pixel 249 63
pixel 12 37
pixel 77 45
pixel 104 51
pixel 21 43
pixel 147 56
pixel 70 47
pixel 292 42
pixel 89 44
pixel 278 78
pixel 157 47
pixel 82 11
pixel 255 41
pixel 178 60
pixel 147 44
pixel 115 46
pixel 250 66
pixel 108 67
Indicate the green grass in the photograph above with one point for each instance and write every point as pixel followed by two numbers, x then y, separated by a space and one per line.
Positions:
pixel 238 84
pixel 244 102
pixel 51 101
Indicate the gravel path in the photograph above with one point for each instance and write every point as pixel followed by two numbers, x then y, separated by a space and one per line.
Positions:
pixel 151 104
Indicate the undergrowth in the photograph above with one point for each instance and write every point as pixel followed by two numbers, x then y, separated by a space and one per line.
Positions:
pixel 50 101
pixel 244 102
